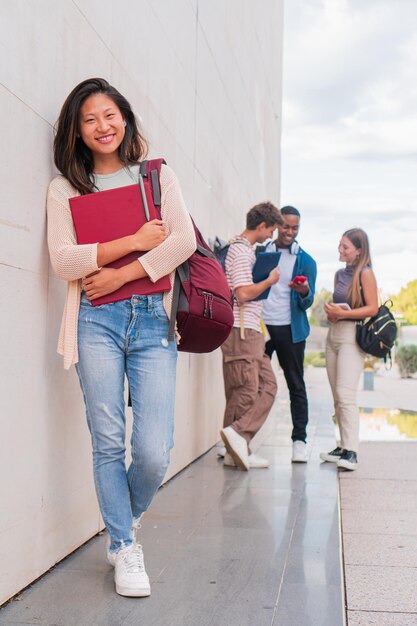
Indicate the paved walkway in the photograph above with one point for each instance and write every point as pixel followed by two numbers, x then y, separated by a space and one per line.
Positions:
pixel 230 548
pixel 379 521
pixel 223 548
pixel 379 508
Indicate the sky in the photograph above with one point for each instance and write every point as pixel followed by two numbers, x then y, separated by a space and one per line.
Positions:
pixel 349 142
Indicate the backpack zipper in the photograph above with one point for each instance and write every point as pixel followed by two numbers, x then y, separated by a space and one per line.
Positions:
pixel 376 332
pixel 208 304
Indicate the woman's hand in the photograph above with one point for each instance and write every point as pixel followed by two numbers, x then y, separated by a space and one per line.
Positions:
pixel 102 282
pixel 334 312
pixel 151 234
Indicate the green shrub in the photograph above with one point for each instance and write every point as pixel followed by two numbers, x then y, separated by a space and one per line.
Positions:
pixel 406 358
pixel 316 359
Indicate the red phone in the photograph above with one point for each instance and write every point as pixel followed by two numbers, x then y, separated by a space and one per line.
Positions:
pixel 299 279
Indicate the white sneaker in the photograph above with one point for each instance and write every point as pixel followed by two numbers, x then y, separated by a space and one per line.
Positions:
pixel 130 576
pixel 111 556
pixel 299 452
pixel 236 446
pixel 255 461
pixel 221 451
pixel 228 460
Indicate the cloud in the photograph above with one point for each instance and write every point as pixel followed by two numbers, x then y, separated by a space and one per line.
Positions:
pixel 349 150
pixel 349 79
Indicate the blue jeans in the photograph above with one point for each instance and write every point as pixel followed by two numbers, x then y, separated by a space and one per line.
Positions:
pixel 127 337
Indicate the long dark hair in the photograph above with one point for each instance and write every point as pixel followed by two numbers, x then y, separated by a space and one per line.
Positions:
pixel 71 156
pixel 359 239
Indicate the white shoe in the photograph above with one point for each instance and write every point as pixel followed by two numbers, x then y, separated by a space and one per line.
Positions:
pixel 130 576
pixel 111 556
pixel 255 462
pixel 228 460
pixel 299 452
pixel 221 451
pixel 236 446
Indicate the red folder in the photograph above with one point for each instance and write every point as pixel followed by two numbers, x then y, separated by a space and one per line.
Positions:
pixel 112 214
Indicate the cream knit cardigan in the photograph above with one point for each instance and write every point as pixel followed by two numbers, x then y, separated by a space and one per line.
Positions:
pixel 72 262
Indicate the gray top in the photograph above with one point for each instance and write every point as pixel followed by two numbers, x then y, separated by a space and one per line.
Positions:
pixel 122 178
pixel 342 282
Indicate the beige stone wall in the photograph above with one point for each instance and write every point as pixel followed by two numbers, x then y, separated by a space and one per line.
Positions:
pixel 205 76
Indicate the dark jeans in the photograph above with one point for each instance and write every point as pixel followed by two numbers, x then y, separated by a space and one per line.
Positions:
pixel 291 359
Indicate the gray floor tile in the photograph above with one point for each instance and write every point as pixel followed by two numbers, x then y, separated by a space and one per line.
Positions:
pixel 370 588
pixel 383 550
pixel 373 461
pixel 379 495
pixel 356 521
pixel 70 598
pixel 22 623
pixel 364 618
pixel 207 613
pixel 313 566
pixel 306 605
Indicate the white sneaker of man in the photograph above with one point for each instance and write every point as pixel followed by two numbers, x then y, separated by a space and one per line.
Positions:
pixel 130 576
pixel 299 452
pixel 221 451
pixel 236 446
pixel 255 461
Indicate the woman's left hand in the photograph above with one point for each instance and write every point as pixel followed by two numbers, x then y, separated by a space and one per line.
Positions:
pixel 334 312
pixel 102 282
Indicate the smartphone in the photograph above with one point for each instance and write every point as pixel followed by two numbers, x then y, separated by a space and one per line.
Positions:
pixel 299 279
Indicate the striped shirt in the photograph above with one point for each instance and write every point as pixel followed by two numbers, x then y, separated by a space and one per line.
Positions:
pixel 240 260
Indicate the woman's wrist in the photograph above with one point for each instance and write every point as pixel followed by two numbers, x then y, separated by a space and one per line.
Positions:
pixel 134 243
pixel 131 271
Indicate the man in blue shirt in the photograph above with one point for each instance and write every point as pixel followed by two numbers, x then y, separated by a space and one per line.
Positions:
pixel 284 314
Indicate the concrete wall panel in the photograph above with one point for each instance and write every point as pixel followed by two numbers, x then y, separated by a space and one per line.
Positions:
pixel 205 77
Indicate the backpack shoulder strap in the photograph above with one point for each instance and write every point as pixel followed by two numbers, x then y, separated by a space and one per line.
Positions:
pixel 152 168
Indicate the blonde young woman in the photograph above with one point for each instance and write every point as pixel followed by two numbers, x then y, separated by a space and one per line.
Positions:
pixel 98 146
pixel 355 297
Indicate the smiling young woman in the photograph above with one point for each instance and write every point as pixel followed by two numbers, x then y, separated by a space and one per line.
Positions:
pixel 355 297
pixel 98 146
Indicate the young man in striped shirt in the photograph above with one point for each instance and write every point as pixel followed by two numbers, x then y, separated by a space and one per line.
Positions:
pixel 249 381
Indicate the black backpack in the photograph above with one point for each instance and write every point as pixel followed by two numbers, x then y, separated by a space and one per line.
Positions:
pixel 378 334
pixel 220 248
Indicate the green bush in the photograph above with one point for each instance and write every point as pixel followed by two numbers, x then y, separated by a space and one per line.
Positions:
pixel 316 359
pixel 406 358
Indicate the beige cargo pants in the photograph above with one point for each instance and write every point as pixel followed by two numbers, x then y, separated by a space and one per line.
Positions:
pixel 249 382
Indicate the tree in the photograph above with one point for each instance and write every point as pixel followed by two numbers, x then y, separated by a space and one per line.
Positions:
pixel 406 302
pixel 406 358
pixel 318 316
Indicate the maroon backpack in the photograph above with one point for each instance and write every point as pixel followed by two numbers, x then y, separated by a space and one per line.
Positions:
pixel 202 301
